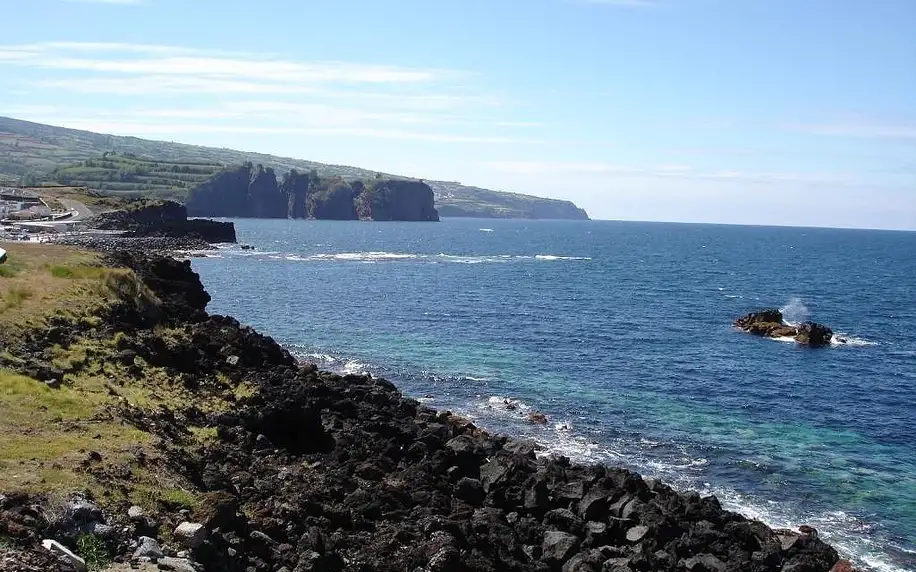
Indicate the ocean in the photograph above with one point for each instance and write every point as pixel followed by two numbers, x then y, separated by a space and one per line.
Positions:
pixel 620 334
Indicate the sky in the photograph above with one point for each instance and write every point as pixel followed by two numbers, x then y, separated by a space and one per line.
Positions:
pixel 788 112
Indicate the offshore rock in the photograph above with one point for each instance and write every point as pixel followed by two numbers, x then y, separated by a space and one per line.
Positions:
pixel 770 324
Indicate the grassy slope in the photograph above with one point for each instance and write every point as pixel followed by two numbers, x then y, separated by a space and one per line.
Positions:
pixel 33 149
pixel 49 435
pixel 122 175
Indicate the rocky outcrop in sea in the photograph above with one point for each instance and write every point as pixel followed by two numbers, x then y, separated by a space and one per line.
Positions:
pixel 313 471
pixel 771 324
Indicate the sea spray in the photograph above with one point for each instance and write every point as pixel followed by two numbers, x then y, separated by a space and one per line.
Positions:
pixel 795 312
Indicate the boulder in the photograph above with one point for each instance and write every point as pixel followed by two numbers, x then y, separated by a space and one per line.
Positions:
pixel 814 334
pixel 64 553
pixel 558 546
pixel 190 534
pixel 705 563
pixel 176 565
pixel 637 533
pixel 148 548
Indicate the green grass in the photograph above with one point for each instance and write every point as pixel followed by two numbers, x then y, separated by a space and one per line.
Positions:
pixel 92 549
pixel 81 272
pixel 167 497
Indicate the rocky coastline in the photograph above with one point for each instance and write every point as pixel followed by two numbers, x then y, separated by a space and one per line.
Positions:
pixel 160 227
pixel 255 191
pixel 304 470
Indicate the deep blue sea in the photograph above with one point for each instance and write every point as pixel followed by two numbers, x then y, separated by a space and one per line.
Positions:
pixel 621 334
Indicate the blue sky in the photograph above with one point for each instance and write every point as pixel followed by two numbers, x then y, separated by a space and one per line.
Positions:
pixel 798 112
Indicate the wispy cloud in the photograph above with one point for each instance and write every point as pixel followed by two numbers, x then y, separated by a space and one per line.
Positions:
pixel 865 128
pixel 173 89
pixel 572 169
pixel 145 60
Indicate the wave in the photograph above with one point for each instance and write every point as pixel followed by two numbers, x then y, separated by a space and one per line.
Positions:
pixel 845 340
pixel 554 257
pixel 486 230
pixel 381 256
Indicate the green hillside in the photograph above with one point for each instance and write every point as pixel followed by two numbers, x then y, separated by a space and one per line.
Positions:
pixel 34 153
pixel 129 175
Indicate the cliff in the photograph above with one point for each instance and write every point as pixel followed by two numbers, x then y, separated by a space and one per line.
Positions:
pixel 195 440
pixel 164 219
pixel 254 191
pixel 456 200
pixel 397 200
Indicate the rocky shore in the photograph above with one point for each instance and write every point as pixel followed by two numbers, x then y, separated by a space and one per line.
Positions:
pixel 286 468
pixel 159 227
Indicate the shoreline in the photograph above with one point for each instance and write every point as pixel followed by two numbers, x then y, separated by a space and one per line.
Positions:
pixel 289 466
pixel 570 442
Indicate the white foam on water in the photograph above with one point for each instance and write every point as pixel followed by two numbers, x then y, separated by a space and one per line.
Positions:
pixel 486 230
pixel 845 340
pixel 555 257
pixel 498 404
pixel 846 533
pixel 354 367
pixel 783 339
pixel 382 256
pixel 323 358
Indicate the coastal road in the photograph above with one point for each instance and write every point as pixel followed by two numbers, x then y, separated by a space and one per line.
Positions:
pixel 82 211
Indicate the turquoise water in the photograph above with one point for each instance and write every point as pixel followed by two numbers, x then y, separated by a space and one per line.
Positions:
pixel 621 334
